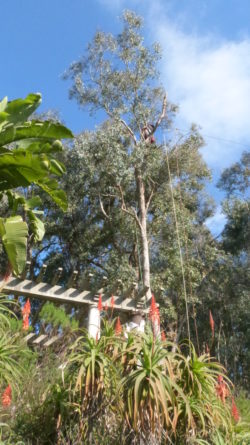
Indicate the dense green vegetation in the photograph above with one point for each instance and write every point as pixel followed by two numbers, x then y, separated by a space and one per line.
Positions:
pixel 137 207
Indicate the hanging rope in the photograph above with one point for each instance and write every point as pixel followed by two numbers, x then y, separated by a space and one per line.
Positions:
pixel 187 252
pixel 178 240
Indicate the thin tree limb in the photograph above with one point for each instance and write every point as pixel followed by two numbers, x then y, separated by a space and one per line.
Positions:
pixel 163 113
pixel 151 195
pixel 124 123
pixel 156 125
pixel 131 212
pixel 129 130
pixel 102 208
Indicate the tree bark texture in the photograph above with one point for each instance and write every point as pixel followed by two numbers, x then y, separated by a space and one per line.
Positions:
pixel 143 232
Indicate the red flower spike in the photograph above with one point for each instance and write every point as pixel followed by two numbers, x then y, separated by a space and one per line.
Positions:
pixel 207 349
pixel 7 396
pixel 26 322
pixel 154 314
pixel 211 322
pixel 26 309
pixel 153 308
pixel 234 411
pixel 118 327
pixel 100 303
pixel 112 302
pixel 221 389
pixel 26 312
pixel 163 336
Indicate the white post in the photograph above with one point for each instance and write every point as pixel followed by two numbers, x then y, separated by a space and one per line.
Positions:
pixel 94 322
pixel 137 323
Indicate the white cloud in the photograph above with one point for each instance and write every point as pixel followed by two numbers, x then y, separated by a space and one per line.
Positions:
pixel 210 81
pixel 206 75
pixel 216 222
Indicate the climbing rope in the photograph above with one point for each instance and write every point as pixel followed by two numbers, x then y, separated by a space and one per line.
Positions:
pixel 187 252
pixel 178 239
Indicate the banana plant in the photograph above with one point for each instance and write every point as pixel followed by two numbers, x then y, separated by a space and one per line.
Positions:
pixel 27 149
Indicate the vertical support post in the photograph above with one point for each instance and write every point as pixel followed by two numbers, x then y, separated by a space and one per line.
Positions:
pixel 41 274
pixel 136 323
pixel 26 271
pixel 94 322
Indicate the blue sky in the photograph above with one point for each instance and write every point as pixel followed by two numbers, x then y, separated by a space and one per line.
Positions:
pixel 205 66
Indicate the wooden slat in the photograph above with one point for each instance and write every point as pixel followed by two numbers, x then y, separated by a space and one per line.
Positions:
pixel 29 336
pixel 51 341
pixel 40 339
pixel 58 294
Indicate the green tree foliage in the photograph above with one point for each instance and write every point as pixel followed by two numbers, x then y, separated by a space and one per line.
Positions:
pixel 225 289
pixel 118 184
pixel 137 211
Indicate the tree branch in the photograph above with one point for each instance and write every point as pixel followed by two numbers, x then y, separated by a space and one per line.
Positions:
pixel 150 199
pixel 102 208
pixel 131 212
pixel 129 130
pixel 163 113
pixel 153 127
pixel 123 122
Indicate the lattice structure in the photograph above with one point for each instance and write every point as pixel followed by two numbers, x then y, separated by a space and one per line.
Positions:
pixel 129 300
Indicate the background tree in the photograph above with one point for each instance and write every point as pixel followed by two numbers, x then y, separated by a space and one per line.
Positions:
pixel 225 289
pixel 127 188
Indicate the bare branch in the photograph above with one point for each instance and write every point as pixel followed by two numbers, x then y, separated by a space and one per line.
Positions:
pixel 129 130
pixel 150 199
pixel 130 212
pixel 123 122
pixel 151 193
pixel 149 129
pixel 163 113
pixel 102 208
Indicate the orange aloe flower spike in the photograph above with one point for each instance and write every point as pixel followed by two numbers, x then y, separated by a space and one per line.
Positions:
pixel 100 303
pixel 211 322
pixel 7 396
pixel 118 327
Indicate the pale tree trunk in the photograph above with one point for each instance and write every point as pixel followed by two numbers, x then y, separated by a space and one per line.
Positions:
pixel 143 205
pixel 143 233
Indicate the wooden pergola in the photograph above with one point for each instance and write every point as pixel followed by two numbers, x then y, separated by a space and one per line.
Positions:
pixel 130 301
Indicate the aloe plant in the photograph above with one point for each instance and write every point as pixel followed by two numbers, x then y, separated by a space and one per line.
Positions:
pixel 90 366
pixel 150 386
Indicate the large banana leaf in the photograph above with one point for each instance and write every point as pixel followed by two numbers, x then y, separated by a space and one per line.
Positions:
pixel 45 130
pixel 26 157
pixel 19 110
pixel 14 232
